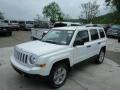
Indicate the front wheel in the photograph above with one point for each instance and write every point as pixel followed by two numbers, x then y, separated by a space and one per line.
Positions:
pixel 100 57
pixel 58 75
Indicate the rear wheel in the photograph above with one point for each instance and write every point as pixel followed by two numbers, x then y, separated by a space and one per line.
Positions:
pixel 58 75
pixel 100 57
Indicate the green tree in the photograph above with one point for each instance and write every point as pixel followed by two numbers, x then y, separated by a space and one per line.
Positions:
pixel 115 3
pixel 53 12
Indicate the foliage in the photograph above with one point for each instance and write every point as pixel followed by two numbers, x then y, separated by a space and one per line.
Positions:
pixel 115 3
pixel 110 18
pixel 90 10
pixel 75 20
pixel 53 12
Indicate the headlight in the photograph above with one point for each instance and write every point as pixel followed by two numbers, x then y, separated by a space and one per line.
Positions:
pixel 33 59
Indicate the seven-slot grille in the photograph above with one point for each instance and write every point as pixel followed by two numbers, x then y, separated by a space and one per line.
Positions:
pixel 20 56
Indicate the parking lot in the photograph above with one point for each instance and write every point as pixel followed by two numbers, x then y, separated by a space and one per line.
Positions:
pixel 16 38
pixel 84 76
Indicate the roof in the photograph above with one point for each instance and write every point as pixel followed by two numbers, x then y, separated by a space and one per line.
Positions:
pixel 77 28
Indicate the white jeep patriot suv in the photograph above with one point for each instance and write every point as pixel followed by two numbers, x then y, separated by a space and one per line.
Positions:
pixel 58 51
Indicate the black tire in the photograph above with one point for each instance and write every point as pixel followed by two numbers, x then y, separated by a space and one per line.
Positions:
pixel 51 81
pixel 118 39
pixel 108 36
pixel 99 59
pixel 10 34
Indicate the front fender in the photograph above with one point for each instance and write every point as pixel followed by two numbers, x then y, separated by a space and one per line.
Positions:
pixel 57 58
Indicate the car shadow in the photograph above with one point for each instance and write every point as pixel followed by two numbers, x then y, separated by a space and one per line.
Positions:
pixel 82 66
pixel 32 83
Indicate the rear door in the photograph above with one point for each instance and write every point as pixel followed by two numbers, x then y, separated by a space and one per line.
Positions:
pixel 95 42
pixel 102 40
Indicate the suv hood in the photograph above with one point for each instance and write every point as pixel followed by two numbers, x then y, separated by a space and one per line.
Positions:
pixel 40 48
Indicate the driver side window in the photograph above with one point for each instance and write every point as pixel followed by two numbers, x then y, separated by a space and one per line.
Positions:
pixel 83 35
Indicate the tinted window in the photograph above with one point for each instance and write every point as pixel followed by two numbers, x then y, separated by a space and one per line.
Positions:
pixel 60 25
pixel 94 34
pixel 40 24
pixel 102 35
pixel 75 25
pixel 29 22
pixel 13 22
pixel 83 35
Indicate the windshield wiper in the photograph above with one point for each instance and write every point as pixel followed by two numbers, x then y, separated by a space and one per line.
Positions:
pixel 50 42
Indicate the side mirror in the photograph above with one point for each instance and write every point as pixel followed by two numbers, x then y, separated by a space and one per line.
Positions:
pixel 78 42
pixel 44 33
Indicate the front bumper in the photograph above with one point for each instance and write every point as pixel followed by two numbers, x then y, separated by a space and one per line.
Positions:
pixel 36 76
pixel 26 70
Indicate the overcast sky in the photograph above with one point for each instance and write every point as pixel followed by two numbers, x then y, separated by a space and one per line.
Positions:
pixel 28 9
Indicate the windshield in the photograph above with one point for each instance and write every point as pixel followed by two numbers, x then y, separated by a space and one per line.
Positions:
pixel 62 37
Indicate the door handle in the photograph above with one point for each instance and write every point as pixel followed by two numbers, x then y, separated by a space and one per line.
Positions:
pixel 88 46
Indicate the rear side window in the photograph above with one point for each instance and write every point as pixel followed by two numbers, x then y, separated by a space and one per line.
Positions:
pixel 102 34
pixel 83 35
pixel 94 34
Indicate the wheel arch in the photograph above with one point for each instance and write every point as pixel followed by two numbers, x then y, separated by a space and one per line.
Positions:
pixel 103 48
pixel 66 61
pixel 60 61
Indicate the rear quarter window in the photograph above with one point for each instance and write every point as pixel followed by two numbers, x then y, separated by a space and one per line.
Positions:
pixel 102 34
pixel 94 34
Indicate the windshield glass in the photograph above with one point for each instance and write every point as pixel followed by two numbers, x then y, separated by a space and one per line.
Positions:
pixel 62 37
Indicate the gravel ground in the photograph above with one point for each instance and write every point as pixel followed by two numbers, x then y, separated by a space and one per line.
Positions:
pixel 113 50
pixel 115 56
pixel 16 38
pixel 113 45
pixel 84 76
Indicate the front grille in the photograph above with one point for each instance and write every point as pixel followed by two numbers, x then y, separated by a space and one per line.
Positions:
pixel 21 56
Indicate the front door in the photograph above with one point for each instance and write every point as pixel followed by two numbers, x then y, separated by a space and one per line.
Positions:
pixel 81 52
